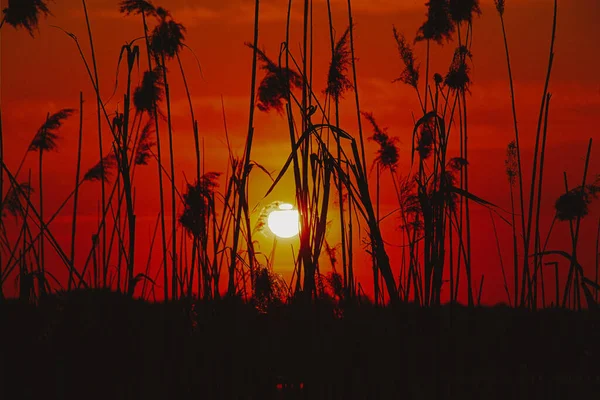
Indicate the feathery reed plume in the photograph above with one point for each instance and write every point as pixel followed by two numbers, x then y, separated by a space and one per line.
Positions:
pixel 512 167
pixel 45 140
pixel 499 6
pixel 457 163
pixel 168 36
pixel 331 254
pixel 263 285
pixel 24 14
pixel 512 172
pixel 263 217
pixel 269 287
pixel 335 283
pixel 102 170
pixel 136 7
pixel 449 181
pixel 388 153
pixel 154 116
pixel 458 75
pixel 426 139
pixel 463 10
pixel 410 74
pixel 162 13
pixel 12 202
pixel 410 205
pixel 46 136
pixel 165 43
pixel 241 206
pixel 575 203
pixel 438 25
pixel 150 92
pixel 337 80
pixel 448 196
pixel 379 135
pixel 276 85
pixel 197 203
pixel 144 148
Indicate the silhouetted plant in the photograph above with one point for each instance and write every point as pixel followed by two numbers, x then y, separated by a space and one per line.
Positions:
pixel 144 148
pixel 331 253
pixel 575 203
pixel 408 201
pixel 168 36
pixel 426 139
pixel 458 79
pixel 438 26
pixel 137 7
pixel 337 80
pixel 463 10
pixel 268 288
pixel 240 208
pixel 12 203
pixel 499 6
pixel 45 139
pixel 197 218
pixel 457 163
pixel 263 217
pixel 512 167
pixel 448 181
pixel 102 170
pixel 530 238
pixel 166 40
pixel 337 83
pixel 458 75
pixel 197 203
pixel 512 172
pixel 150 92
pixel 144 8
pixel 334 282
pixel 388 153
pixel 24 14
pixel 410 73
pixel 276 85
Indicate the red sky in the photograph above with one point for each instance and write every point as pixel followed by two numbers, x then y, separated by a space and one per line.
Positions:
pixel 45 73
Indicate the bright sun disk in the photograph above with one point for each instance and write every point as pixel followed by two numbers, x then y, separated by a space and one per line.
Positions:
pixel 284 222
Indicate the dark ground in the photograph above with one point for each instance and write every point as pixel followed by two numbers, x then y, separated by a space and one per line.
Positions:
pixel 102 345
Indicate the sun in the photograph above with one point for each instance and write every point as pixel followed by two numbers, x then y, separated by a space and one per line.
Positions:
pixel 284 222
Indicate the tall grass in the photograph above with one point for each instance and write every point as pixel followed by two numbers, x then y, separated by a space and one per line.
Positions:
pixel 211 217
pixel 76 196
pixel 500 7
pixel 244 170
pixel 99 127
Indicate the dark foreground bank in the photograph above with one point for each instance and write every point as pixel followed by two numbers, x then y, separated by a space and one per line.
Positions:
pixel 99 345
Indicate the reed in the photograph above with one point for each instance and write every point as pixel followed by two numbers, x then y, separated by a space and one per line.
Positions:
pixel 76 196
pixel 526 284
pixel 210 233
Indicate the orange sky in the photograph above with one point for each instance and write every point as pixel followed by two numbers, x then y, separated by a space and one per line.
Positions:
pixel 45 74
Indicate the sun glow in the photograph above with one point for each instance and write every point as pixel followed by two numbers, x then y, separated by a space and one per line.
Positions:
pixel 284 222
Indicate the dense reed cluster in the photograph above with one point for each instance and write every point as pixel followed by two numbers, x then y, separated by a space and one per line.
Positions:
pixel 209 237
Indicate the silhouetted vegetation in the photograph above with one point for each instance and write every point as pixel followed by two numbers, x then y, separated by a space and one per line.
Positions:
pixel 229 349
pixel 433 198
pixel 230 326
